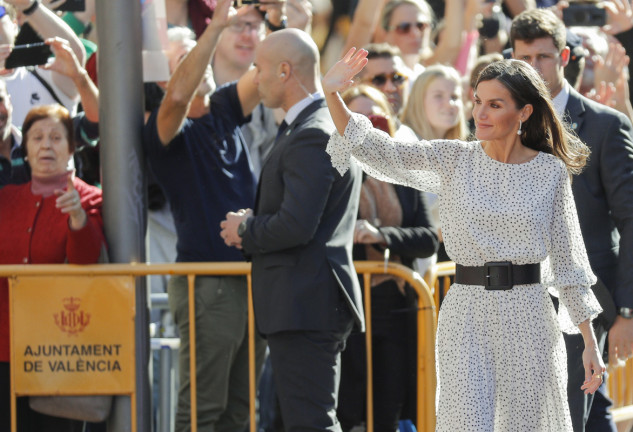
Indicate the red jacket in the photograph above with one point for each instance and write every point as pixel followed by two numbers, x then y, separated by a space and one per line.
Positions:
pixel 34 231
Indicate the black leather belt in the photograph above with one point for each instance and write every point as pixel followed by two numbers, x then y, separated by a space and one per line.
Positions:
pixel 498 275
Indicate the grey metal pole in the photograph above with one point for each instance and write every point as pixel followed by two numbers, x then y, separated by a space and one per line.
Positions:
pixel 165 386
pixel 121 121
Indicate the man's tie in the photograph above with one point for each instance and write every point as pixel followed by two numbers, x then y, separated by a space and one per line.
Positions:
pixel 282 128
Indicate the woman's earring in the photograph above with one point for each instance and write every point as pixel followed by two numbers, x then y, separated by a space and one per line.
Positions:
pixel 519 132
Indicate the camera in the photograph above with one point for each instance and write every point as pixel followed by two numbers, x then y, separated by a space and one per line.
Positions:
pixel 584 14
pixel 240 3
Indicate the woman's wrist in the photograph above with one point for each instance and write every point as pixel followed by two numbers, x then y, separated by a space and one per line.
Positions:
pixel 78 220
pixel 591 344
pixel 80 77
pixel 589 338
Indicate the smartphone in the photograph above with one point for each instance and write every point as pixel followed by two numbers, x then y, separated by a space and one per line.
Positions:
pixel 28 55
pixel 27 36
pixel 240 3
pixel 72 6
pixel 584 14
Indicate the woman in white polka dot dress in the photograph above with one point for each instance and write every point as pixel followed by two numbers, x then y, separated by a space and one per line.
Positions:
pixel 509 222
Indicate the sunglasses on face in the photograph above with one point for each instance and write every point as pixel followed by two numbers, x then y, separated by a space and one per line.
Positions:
pixel 406 27
pixel 381 79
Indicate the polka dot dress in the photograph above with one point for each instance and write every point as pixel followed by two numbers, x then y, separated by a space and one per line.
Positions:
pixel 501 361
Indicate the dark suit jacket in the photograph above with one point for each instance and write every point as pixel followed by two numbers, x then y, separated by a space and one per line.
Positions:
pixel 300 239
pixel 604 193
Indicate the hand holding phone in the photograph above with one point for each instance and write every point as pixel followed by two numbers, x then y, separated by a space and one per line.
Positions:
pixel 65 62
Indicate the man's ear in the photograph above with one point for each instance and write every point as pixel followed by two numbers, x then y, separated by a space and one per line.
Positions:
pixel 284 70
pixel 564 55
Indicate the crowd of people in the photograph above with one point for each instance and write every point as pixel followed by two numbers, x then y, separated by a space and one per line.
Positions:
pixel 301 135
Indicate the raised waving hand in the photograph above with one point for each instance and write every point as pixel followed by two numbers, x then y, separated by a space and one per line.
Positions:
pixel 339 77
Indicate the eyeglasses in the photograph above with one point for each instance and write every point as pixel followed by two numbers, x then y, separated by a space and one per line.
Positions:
pixel 239 26
pixel 406 27
pixel 381 79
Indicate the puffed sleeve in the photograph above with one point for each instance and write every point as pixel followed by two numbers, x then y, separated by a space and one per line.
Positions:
pixel 422 165
pixel 567 272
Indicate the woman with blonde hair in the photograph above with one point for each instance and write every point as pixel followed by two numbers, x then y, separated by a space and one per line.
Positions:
pixel 435 109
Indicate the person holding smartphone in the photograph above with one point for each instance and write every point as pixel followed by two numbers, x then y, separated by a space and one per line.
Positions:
pixel 13 168
pixel 30 88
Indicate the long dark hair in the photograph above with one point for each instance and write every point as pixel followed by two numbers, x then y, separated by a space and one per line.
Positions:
pixel 543 131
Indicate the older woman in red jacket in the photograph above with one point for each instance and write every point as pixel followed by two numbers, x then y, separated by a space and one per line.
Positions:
pixel 54 218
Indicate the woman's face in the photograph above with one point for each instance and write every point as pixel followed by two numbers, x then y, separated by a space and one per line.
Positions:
pixel 47 147
pixel 442 104
pixel 410 29
pixel 495 113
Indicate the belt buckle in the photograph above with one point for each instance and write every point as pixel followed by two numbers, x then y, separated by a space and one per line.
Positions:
pixel 487 277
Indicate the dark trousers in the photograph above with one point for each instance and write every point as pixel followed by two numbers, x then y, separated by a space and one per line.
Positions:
pixel 579 403
pixel 269 411
pixel 600 419
pixel 306 372
pixel 392 372
pixel 221 352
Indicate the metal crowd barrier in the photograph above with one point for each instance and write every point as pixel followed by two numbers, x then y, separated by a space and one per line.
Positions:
pixel 427 321
pixel 439 278
pixel 619 381
pixel 427 325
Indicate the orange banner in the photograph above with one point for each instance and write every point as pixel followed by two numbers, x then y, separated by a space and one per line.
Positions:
pixel 72 335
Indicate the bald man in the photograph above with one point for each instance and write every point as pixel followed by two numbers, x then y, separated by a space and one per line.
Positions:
pixel 305 289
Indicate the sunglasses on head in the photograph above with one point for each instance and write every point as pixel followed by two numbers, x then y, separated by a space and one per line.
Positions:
pixel 381 79
pixel 406 27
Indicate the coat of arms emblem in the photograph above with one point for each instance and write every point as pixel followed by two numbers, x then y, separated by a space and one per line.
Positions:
pixel 71 319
